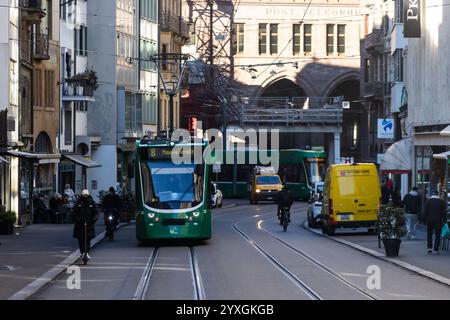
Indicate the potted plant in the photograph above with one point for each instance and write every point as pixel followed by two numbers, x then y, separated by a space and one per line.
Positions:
pixel 7 219
pixel 86 80
pixel 390 228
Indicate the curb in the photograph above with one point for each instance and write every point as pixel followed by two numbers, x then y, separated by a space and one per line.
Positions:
pixel 376 254
pixel 51 274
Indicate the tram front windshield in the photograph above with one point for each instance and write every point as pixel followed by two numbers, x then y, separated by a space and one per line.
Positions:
pixel 172 186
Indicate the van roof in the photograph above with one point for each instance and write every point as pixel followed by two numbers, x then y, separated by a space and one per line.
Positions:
pixel 350 165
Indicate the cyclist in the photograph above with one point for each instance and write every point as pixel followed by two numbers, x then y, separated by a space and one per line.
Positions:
pixel 112 202
pixel 284 199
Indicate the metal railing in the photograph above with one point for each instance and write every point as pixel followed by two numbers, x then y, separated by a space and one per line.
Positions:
pixel 41 46
pixel 290 111
pixel 172 23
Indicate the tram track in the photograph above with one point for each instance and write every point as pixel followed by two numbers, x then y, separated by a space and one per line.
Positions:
pixel 321 265
pixel 312 294
pixel 197 282
pixel 309 292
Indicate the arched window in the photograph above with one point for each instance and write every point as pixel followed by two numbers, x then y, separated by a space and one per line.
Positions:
pixel 43 143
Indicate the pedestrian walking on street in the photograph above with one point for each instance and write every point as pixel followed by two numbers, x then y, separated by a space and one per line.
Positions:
pixel 435 215
pixel 412 203
pixel 85 215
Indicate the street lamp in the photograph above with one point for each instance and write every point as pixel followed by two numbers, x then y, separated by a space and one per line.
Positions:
pixel 171 91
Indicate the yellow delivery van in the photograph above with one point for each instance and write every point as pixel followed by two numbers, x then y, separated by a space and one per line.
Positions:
pixel 264 185
pixel 351 197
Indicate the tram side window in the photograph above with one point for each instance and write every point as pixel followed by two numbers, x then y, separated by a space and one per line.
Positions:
pixel 292 173
pixel 146 183
pixel 244 172
pixel 226 173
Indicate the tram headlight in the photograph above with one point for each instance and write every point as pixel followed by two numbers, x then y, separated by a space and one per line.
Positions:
pixel 196 213
pixel 151 215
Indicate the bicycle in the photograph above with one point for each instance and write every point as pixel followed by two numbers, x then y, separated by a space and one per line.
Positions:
pixel 284 217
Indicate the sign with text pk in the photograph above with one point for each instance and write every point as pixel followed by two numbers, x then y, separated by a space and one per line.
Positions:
pixel 385 129
pixel 411 18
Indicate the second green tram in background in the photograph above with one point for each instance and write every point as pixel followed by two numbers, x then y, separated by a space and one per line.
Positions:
pixel 299 169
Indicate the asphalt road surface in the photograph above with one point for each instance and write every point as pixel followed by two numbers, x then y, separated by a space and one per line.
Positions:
pixel 248 257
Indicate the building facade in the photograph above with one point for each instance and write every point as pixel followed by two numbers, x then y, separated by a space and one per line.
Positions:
pixel 174 33
pixel 288 52
pixel 426 77
pixel 125 101
pixel 78 81
pixel 9 103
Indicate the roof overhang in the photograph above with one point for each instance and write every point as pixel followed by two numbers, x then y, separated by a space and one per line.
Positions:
pixel 446 131
pixel 34 156
pixel 82 161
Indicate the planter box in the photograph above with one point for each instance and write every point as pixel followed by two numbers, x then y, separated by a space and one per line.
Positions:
pixel 6 227
pixel 392 247
pixel 88 91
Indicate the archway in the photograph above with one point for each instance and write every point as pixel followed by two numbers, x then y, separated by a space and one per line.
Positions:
pixel 283 88
pixel 354 125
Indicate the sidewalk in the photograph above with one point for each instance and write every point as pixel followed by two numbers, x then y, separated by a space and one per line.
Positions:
pixel 412 252
pixel 29 253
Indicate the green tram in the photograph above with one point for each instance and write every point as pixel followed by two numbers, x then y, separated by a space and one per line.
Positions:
pixel 173 200
pixel 299 169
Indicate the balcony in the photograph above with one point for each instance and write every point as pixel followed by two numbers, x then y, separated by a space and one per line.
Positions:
pixel 40 47
pixel 374 90
pixel 374 42
pixel 31 10
pixel 172 23
pixel 76 92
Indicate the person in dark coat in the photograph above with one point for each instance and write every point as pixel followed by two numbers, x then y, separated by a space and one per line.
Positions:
pixel 284 199
pixel 412 203
pixel 112 202
pixel 85 212
pixel 385 194
pixel 55 204
pixel 434 216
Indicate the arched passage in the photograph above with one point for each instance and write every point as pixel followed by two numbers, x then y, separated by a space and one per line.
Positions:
pixel 354 125
pixel 283 88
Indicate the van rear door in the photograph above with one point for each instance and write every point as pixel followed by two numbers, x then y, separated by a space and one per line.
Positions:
pixel 358 194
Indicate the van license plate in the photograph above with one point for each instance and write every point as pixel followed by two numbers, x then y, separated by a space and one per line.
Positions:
pixel 345 217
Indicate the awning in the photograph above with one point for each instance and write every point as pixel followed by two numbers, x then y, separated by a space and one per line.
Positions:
pixel 445 132
pixel 35 156
pixel 3 160
pixel 443 156
pixel 82 161
pixel 397 158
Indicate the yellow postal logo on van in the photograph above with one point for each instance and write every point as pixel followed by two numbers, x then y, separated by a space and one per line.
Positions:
pixel 346 173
